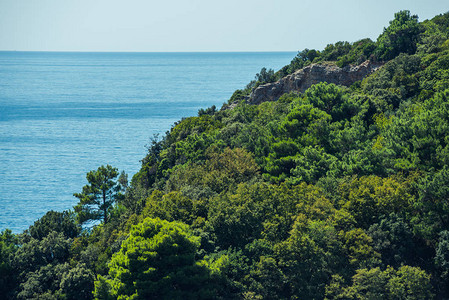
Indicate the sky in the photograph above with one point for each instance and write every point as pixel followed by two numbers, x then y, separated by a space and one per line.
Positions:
pixel 197 25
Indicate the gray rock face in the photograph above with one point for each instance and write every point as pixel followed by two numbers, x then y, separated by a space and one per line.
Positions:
pixel 304 78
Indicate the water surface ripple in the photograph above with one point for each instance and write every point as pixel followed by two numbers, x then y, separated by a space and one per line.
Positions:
pixel 63 114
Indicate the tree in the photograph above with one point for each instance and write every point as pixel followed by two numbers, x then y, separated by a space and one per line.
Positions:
pixel 329 98
pixel 400 37
pixel 307 258
pixel 33 253
pixel 410 283
pixel 39 265
pixel 312 164
pixel 393 240
pixel 302 59
pixel 99 195
pixel 442 255
pixel 77 283
pixel 61 222
pixel 8 246
pixel 43 283
pixel 405 283
pixel 265 76
pixel 157 261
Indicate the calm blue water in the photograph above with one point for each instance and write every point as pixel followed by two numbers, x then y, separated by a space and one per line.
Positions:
pixel 63 114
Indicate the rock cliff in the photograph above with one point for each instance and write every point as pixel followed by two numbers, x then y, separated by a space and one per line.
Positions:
pixel 304 78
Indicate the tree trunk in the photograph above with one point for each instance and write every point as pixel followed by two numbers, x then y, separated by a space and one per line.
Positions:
pixel 104 208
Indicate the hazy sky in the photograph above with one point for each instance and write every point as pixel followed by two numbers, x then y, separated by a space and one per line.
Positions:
pixel 197 25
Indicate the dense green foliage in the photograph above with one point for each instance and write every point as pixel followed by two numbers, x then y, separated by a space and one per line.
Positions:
pixel 334 193
pixel 157 261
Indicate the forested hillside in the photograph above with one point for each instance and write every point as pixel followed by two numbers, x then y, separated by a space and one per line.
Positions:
pixel 334 193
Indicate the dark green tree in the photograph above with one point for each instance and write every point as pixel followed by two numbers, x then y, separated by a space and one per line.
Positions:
pixel 442 251
pixel 32 253
pixel 400 37
pixel 265 76
pixel 99 195
pixel 334 51
pixel 78 283
pixel 302 59
pixel 329 98
pixel 8 246
pixel 43 283
pixel 393 239
pixel 61 222
pixel 442 260
pixel 40 264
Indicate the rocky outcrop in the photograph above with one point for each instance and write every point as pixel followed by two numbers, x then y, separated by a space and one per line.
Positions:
pixel 304 78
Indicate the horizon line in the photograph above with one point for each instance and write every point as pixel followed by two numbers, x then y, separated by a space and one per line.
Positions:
pixel 95 51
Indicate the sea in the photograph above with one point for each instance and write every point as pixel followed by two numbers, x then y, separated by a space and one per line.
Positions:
pixel 63 114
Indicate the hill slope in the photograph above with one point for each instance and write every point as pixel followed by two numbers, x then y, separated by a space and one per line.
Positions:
pixel 334 191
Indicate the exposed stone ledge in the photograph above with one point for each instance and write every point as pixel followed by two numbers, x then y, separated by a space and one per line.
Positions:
pixel 304 78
